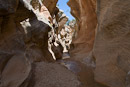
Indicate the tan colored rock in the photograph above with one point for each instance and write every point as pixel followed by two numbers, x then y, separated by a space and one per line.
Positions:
pixel 24 40
pixel 111 48
pixel 61 19
pixel 46 13
pixel 62 22
pixel 50 4
pixel 84 12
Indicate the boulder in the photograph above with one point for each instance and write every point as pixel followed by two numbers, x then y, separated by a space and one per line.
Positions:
pixel 16 71
pixel 53 74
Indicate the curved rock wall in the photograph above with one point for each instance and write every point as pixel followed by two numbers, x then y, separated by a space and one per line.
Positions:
pixel 111 44
pixel 51 5
pixel 24 55
pixel 111 47
pixel 23 40
pixel 85 14
pixel 103 53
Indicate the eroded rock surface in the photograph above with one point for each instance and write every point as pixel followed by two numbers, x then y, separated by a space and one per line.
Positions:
pixel 111 48
pixel 51 5
pixel 16 71
pixel 100 54
pixel 60 37
pixel 85 14
pixel 23 40
pixel 54 75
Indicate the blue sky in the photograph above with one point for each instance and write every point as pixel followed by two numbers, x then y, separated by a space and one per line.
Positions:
pixel 62 4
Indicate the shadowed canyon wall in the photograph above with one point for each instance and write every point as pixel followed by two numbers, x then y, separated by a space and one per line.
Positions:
pixel 24 55
pixel 23 40
pixel 111 47
pixel 99 57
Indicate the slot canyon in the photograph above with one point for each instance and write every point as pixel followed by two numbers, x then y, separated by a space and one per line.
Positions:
pixel 40 48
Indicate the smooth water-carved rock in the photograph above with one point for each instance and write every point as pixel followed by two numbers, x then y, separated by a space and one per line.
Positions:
pixel 111 45
pixel 85 13
pixel 23 40
pixel 128 79
pixel 24 27
pixel 16 71
pixel 48 75
pixel 111 48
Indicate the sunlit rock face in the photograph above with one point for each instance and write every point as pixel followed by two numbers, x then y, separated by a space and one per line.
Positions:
pixel 111 44
pixel 60 37
pixel 111 49
pixel 85 14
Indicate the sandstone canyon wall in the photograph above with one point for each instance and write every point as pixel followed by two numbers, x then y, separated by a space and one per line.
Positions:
pixel 111 44
pixel 100 57
pixel 85 13
pixel 24 55
pixel 111 47
pixel 23 40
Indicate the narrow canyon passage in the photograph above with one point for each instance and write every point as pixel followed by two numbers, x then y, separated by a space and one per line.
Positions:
pixel 45 43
